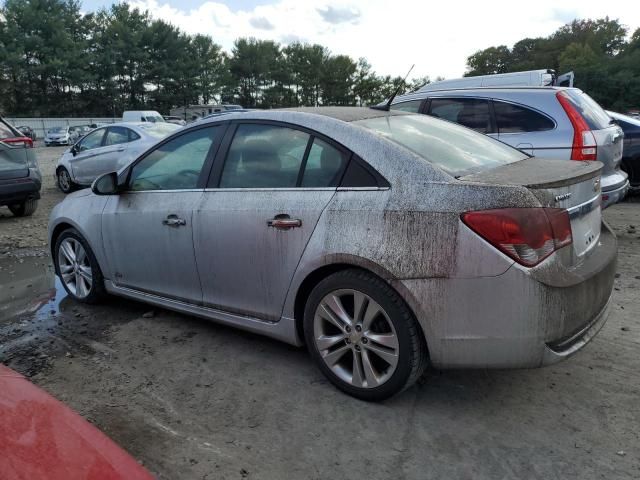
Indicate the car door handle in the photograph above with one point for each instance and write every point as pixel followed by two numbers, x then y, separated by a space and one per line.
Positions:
pixel 120 149
pixel 174 221
pixel 284 222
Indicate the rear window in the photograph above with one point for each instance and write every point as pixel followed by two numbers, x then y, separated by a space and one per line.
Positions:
pixel 6 131
pixel 512 118
pixel 453 148
pixel 159 130
pixel 593 114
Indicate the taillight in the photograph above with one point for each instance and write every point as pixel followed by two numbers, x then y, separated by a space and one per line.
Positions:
pixel 584 143
pixel 528 235
pixel 18 142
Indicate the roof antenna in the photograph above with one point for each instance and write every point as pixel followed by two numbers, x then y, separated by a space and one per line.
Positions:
pixel 387 106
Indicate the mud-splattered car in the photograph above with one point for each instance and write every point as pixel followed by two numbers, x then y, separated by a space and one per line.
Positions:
pixel 385 241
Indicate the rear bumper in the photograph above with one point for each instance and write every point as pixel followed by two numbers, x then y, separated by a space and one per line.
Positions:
pixel 614 188
pixel 522 318
pixel 18 190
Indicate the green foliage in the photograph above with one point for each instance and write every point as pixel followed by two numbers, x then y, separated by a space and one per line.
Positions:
pixel 606 65
pixel 56 61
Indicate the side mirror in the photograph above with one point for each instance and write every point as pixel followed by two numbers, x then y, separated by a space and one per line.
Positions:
pixel 106 184
pixel 75 149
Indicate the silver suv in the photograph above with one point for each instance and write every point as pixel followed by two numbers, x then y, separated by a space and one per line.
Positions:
pixel 551 122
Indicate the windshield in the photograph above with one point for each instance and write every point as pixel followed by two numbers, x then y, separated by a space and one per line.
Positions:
pixel 58 130
pixel 159 130
pixel 453 148
pixel 154 119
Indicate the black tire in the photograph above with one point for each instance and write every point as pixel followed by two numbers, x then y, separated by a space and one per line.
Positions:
pixel 97 291
pixel 25 209
pixel 412 354
pixel 65 185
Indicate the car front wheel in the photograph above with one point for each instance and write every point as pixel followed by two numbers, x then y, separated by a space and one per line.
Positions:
pixel 363 336
pixel 77 267
pixel 64 181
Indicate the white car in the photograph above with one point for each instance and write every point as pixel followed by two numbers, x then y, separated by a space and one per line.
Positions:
pixel 60 136
pixel 107 149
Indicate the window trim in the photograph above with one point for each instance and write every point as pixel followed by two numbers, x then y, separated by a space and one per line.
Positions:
pixel 213 182
pixel 420 107
pixel 104 137
pixel 206 167
pixel 492 119
pixel 526 107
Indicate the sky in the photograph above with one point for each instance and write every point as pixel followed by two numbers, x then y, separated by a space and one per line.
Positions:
pixel 392 35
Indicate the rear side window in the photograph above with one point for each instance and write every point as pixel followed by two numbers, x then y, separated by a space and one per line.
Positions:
pixel 412 106
pixel 593 114
pixel 264 156
pixel 116 135
pixel 324 165
pixel 512 118
pixel 471 112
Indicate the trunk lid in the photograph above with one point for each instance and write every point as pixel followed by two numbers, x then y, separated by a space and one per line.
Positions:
pixel 574 186
pixel 609 141
pixel 14 162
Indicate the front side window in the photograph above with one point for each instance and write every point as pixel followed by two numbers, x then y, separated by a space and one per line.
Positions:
pixel 92 140
pixel 264 156
pixel 512 118
pixel 471 112
pixel 455 149
pixel 116 135
pixel 174 165
pixel 412 106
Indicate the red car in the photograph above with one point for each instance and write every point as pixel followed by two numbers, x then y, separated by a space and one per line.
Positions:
pixel 42 438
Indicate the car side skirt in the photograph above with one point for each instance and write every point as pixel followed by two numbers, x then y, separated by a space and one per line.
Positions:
pixel 283 330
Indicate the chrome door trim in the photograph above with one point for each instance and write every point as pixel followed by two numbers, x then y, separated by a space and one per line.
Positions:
pixel 283 330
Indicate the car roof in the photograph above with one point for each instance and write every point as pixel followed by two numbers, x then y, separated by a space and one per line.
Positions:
pixel 345 114
pixel 482 90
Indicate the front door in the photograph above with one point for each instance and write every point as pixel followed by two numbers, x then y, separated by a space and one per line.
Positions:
pixel 105 158
pixel 148 230
pixel 252 228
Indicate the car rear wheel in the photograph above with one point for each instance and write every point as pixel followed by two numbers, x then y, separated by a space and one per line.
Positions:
pixel 77 267
pixel 363 336
pixel 25 209
pixel 64 181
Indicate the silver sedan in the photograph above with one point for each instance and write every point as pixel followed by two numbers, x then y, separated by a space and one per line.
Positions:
pixel 105 150
pixel 384 241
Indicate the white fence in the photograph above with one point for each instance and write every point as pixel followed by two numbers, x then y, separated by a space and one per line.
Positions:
pixel 41 125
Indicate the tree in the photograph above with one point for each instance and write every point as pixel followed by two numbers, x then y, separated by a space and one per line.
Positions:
pixel 489 61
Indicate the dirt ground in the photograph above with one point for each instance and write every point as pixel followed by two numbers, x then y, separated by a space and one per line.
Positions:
pixel 194 400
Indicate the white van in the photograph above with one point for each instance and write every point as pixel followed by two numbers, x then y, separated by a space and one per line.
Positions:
pixel 531 78
pixel 142 116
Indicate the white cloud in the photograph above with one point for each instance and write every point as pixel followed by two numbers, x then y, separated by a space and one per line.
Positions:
pixel 436 36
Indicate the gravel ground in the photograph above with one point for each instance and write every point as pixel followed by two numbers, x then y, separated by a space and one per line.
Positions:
pixel 195 400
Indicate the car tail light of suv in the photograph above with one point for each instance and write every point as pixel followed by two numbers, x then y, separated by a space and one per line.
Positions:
pixel 527 235
pixel 18 142
pixel 584 142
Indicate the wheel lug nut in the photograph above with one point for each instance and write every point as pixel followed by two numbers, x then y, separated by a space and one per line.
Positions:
pixel 364 340
pixel 348 329
pixel 357 348
pixel 358 328
pixel 348 340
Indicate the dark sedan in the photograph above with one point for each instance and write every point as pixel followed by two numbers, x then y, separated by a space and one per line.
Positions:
pixel 631 150
pixel 28 132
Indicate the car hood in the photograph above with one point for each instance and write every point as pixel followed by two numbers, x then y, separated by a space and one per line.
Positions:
pixel 42 438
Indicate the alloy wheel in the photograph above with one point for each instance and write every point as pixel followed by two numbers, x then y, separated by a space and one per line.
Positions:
pixel 75 268
pixel 64 180
pixel 355 338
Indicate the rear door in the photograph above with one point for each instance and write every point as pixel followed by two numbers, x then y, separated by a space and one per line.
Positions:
pixel 523 127
pixel 253 223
